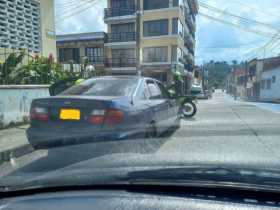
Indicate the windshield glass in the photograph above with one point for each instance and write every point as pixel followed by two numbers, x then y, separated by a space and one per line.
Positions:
pixel 113 91
pixel 104 87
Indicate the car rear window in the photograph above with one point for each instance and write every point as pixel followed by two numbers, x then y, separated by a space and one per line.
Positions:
pixel 104 87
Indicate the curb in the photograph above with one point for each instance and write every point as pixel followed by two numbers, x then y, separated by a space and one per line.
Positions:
pixel 5 156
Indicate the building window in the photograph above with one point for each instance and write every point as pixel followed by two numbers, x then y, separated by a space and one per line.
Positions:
pixel 156 28
pixel 122 3
pixel 180 55
pixel 273 79
pixel 94 54
pixel 155 4
pixel 263 84
pixel 155 54
pixel 177 27
pixel 123 57
pixel 177 3
pixel 122 28
pixel 174 56
pixel 123 53
pixel 69 54
pixel 268 84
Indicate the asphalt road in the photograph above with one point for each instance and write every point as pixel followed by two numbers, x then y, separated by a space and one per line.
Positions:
pixel 223 130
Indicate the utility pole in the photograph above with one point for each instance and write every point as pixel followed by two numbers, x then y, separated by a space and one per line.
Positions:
pixel 138 37
pixel 203 74
pixel 246 78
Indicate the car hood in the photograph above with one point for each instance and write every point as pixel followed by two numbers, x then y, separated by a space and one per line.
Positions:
pixel 139 169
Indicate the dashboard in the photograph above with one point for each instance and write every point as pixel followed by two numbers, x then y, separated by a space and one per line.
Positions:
pixel 124 200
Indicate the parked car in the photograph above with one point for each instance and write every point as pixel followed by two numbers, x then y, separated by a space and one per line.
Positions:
pixel 105 108
pixel 208 93
pixel 204 94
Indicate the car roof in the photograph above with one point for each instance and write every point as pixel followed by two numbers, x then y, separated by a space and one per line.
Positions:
pixel 126 77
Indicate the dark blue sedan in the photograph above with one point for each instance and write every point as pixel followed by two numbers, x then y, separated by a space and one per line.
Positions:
pixel 100 109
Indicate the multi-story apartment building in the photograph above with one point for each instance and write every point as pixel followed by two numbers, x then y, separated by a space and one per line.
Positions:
pixel 27 24
pixel 75 47
pixel 154 37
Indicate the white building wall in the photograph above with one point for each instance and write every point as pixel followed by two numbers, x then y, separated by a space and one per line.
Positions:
pixel 15 101
pixel 273 93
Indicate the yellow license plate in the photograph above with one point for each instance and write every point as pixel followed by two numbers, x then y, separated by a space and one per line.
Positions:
pixel 70 114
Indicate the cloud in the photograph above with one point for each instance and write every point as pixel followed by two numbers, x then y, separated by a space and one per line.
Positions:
pixel 210 34
pixel 89 19
pixel 237 43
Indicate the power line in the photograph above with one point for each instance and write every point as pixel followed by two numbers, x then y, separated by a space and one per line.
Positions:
pixel 254 31
pixel 229 46
pixel 240 18
pixel 78 10
pixel 256 9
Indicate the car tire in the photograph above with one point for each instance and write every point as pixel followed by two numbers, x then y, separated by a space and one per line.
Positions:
pixel 151 131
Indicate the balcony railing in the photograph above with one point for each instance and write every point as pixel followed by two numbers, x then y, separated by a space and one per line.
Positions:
pixel 190 23
pixel 120 62
pixel 96 59
pixel 116 12
pixel 189 43
pixel 78 60
pixel 121 37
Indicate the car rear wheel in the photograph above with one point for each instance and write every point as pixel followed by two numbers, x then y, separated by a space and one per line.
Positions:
pixel 151 131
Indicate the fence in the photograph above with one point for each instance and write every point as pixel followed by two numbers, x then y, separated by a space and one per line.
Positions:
pixel 6 52
pixel 5 64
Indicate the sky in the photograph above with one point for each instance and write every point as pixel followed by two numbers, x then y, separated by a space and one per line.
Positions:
pixel 214 40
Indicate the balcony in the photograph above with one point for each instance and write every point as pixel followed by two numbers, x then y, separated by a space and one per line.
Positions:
pixel 191 24
pixel 117 12
pixel 120 62
pixel 188 40
pixel 121 37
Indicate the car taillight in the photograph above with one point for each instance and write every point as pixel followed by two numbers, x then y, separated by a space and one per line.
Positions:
pixel 111 116
pixel 114 116
pixel 39 113
pixel 97 117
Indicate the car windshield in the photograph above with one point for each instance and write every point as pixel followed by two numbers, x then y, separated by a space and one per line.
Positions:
pixel 104 87
pixel 97 92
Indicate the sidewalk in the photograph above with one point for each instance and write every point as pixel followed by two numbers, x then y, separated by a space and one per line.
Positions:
pixel 13 141
pixel 273 107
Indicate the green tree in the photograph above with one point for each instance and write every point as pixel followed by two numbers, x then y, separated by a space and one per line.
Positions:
pixel 218 72
pixel 10 66
pixel 39 71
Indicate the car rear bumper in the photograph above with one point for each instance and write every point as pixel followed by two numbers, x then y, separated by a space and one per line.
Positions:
pixel 45 138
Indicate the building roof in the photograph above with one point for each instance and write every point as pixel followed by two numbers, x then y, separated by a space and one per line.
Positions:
pixel 268 63
pixel 80 37
pixel 271 63
pixel 239 72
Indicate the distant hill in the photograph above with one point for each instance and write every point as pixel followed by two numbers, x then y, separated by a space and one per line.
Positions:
pixel 218 72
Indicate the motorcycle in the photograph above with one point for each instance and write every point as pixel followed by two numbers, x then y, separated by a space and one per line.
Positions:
pixel 188 106
pixel 187 103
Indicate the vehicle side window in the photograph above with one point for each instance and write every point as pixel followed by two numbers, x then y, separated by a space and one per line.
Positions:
pixel 163 90
pixel 154 90
pixel 142 93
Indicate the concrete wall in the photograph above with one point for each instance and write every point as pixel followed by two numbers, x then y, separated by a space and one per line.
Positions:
pixel 15 101
pixel 273 93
